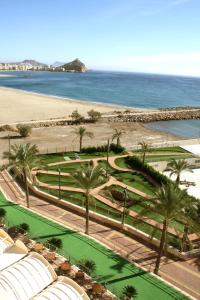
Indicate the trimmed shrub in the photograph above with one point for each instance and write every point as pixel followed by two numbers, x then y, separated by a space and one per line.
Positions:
pixel 136 164
pixel 24 130
pixel 113 147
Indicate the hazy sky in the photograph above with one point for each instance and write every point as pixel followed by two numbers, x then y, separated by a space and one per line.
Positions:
pixel 159 36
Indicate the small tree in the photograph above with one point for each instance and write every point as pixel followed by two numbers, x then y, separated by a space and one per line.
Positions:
pixel 88 177
pixel 144 148
pixel 117 135
pixel 22 159
pixel 2 215
pixel 24 130
pixel 129 292
pixel 176 167
pixel 76 117
pixel 94 115
pixel 82 132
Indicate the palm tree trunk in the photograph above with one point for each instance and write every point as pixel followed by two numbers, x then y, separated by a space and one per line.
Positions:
pixel 87 213
pixel 161 248
pixel 26 188
pixel 185 237
pixel 118 142
pixel 143 159
pixel 81 141
pixel 178 179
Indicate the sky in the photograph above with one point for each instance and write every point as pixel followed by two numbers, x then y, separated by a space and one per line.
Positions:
pixel 153 36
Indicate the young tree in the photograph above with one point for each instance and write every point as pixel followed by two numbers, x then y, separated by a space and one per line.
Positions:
pixel 176 167
pixel 94 115
pixel 144 148
pixel 88 178
pixel 170 202
pixel 22 159
pixel 117 135
pixel 82 132
pixel 76 117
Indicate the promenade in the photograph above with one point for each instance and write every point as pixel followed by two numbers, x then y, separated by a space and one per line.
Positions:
pixel 183 274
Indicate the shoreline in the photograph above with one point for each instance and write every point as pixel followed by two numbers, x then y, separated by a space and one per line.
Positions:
pixel 73 100
pixel 22 106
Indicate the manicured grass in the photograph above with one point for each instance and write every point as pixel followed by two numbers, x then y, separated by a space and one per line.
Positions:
pixel 139 207
pixel 151 158
pixel 112 269
pixel 54 180
pixel 68 168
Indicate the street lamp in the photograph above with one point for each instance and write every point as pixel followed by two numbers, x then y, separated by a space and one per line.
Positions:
pixel 124 208
pixel 108 149
pixel 9 146
pixel 59 183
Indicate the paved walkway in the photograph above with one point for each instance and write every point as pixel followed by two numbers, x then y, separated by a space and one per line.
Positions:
pixel 184 275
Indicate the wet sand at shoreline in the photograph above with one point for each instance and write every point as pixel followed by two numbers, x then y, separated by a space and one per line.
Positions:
pixel 18 106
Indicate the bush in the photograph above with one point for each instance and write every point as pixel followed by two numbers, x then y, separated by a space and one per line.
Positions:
pixel 54 244
pixel 87 266
pixel 24 130
pixel 94 115
pixel 76 117
pixel 136 164
pixel 2 214
pixel 7 128
pixel 129 292
pixel 113 147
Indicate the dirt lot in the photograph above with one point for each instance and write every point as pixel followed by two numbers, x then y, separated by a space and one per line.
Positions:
pixel 54 139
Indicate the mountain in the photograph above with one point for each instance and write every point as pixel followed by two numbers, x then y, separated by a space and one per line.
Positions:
pixel 33 63
pixel 74 66
pixel 57 64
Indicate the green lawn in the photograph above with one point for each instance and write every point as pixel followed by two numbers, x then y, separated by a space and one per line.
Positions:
pixel 112 269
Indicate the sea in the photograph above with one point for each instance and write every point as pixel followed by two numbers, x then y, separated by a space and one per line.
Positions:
pixel 119 88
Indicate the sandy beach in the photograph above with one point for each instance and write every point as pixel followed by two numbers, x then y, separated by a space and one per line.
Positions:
pixel 18 106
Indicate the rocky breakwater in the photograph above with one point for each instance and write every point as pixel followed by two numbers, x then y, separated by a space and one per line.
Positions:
pixel 157 115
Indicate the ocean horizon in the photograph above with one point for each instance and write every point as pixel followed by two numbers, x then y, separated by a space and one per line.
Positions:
pixel 136 90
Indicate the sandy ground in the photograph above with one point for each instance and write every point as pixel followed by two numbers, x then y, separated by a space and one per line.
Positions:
pixel 53 139
pixel 19 106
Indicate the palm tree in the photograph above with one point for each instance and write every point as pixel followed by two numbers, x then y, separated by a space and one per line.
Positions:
pixel 144 148
pixel 81 132
pixel 117 135
pixel 22 159
pixel 129 292
pixel 170 202
pixel 177 167
pixel 88 178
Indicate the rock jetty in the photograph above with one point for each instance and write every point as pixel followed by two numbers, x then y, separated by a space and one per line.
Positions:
pixel 157 115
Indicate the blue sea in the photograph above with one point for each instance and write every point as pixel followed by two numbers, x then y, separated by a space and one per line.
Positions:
pixel 121 88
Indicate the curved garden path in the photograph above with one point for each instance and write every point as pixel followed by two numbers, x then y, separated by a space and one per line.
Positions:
pixel 96 191
pixel 183 274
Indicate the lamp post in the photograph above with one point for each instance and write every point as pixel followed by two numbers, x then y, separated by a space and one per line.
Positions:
pixel 108 149
pixel 124 208
pixel 9 146
pixel 59 183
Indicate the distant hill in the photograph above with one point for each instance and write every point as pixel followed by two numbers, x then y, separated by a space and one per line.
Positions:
pixel 57 64
pixel 34 63
pixel 75 66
